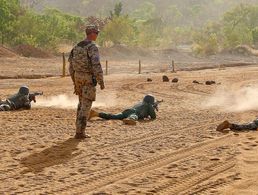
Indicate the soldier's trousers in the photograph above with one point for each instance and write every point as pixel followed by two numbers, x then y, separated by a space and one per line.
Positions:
pixel 5 106
pixel 83 111
pixel 248 126
pixel 129 113
pixel 86 92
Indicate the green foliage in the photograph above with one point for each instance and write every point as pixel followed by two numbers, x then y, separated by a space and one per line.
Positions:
pixel 118 30
pixel 45 30
pixel 207 41
pixel 255 35
pixel 145 26
pixel 9 11
pixel 240 25
pixel 145 11
pixel 117 10
pixel 172 15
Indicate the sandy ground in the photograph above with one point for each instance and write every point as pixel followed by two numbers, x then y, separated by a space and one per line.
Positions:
pixel 179 153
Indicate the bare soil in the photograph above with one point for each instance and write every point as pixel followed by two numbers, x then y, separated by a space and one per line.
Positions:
pixel 5 52
pixel 178 153
pixel 30 51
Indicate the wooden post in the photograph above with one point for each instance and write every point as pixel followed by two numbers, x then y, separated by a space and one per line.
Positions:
pixel 64 65
pixel 173 66
pixel 106 67
pixel 140 67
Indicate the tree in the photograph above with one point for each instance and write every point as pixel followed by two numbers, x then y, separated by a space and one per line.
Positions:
pixel 144 12
pixel 208 40
pixel 118 30
pixel 117 10
pixel 9 11
pixel 240 24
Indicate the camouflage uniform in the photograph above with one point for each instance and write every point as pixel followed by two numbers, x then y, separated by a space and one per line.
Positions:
pixel 139 111
pixel 142 110
pixel 86 71
pixel 18 101
pixel 248 126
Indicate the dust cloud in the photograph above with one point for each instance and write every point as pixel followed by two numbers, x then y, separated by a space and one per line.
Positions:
pixel 70 102
pixel 243 99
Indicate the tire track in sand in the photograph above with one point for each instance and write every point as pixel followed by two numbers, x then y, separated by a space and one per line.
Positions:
pixel 122 144
pixel 194 178
pixel 104 178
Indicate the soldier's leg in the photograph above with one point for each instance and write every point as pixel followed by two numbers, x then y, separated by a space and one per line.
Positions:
pixel 126 113
pixel 241 127
pixel 131 119
pixel 78 111
pixel 5 107
pixel 83 113
pixel 109 116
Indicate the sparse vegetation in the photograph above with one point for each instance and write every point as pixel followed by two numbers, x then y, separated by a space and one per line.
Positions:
pixel 143 26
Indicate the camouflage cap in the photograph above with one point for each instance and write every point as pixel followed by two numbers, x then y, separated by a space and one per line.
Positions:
pixel 91 29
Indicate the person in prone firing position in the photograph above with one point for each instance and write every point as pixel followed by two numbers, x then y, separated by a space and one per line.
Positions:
pixel 20 100
pixel 237 127
pixel 142 110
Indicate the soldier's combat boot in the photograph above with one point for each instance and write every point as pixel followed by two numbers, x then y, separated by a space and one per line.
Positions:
pixel 93 113
pixel 129 121
pixel 225 125
pixel 81 136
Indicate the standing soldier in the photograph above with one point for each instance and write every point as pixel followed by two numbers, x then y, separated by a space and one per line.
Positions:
pixel 86 72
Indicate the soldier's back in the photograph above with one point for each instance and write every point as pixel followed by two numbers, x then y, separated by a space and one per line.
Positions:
pixel 80 57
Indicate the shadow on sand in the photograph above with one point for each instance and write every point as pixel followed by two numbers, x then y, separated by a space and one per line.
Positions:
pixel 57 154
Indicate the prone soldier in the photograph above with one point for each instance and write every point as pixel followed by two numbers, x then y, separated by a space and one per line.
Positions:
pixel 20 100
pixel 142 110
pixel 237 127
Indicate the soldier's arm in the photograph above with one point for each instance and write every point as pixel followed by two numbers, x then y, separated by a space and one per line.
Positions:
pixel 96 66
pixel 26 103
pixel 152 112
pixel 71 69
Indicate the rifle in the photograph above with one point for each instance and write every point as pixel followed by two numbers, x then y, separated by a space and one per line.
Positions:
pixel 32 96
pixel 156 104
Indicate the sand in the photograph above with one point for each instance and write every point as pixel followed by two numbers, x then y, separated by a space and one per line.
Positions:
pixel 178 153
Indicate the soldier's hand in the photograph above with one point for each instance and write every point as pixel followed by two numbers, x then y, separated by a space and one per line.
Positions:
pixel 102 86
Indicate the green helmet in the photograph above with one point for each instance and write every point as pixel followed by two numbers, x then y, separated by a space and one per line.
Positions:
pixel 24 90
pixel 91 29
pixel 149 99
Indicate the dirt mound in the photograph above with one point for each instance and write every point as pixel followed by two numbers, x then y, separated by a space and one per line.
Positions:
pixel 245 50
pixel 30 51
pixel 5 52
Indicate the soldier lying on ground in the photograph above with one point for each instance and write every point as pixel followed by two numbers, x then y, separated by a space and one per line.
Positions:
pixel 142 110
pixel 238 127
pixel 20 100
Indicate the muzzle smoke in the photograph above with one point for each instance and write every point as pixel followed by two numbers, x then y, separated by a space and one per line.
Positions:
pixel 244 99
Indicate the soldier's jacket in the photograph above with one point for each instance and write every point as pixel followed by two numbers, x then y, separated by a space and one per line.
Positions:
pixel 143 110
pixel 256 122
pixel 17 101
pixel 84 65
